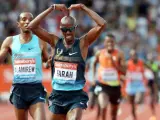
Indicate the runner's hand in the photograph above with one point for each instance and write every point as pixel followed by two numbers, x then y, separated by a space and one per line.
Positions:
pixel 48 63
pixel 114 62
pixel 49 59
pixel 47 100
pixel 62 8
pixel 93 83
pixel 76 7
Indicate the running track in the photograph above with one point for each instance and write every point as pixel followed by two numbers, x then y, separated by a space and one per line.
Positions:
pixel 143 111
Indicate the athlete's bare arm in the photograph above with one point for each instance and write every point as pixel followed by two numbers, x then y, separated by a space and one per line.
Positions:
pixel 44 51
pixel 95 62
pixel 39 31
pixel 5 48
pixel 122 63
pixel 94 33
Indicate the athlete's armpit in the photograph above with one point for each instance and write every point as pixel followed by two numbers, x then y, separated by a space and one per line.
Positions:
pixel 44 51
pixel 5 48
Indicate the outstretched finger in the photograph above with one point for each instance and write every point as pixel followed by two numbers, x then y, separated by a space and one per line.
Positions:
pixel 71 7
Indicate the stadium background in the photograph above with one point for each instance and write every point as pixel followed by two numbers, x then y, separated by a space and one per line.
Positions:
pixel 135 24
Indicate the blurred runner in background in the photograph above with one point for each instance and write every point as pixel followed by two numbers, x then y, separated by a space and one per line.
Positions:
pixel 135 81
pixel 93 80
pixel 111 66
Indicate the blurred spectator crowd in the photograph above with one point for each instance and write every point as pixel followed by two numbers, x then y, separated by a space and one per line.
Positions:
pixel 135 23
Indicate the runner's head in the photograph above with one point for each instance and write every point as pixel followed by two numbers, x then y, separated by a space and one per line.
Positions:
pixel 150 57
pixel 68 26
pixel 109 42
pixel 23 20
pixel 133 55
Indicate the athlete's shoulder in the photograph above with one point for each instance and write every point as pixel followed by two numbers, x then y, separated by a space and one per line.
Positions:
pixel 102 50
pixel 35 37
pixel 7 42
pixel 129 62
pixel 118 50
pixel 8 39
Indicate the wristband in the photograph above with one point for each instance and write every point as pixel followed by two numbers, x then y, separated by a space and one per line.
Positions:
pixel 53 7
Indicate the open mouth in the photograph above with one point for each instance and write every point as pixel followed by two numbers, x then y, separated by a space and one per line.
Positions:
pixel 69 36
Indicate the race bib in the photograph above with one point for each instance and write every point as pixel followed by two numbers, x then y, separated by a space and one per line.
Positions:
pixel 24 67
pixel 109 75
pixel 136 76
pixel 65 71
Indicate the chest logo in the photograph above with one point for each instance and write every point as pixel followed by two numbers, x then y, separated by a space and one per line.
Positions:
pixel 70 54
pixel 59 52
pixel 30 48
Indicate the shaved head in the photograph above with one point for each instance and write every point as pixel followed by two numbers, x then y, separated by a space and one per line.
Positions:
pixel 133 52
pixel 68 27
pixel 134 55
pixel 68 20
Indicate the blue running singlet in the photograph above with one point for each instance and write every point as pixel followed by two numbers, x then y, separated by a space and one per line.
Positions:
pixel 26 61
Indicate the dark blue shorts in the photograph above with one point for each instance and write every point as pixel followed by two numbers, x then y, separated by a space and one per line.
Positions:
pixel 24 95
pixel 60 102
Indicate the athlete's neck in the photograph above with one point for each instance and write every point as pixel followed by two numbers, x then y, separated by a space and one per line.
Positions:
pixel 135 61
pixel 25 37
pixel 110 51
pixel 68 44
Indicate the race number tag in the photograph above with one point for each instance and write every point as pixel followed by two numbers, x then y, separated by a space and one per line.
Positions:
pixel 135 76
pixel 65 71
pixel 24 67
pixel 109 75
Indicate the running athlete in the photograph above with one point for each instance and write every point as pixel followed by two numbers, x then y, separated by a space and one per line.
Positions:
pixel 135 80
pixel 153 65
pixel 149 75
pixel 26 49
pixel 67 99
pixel 112 65
pixel 93 79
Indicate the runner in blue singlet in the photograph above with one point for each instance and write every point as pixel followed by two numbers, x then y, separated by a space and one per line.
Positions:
pixel 26 49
